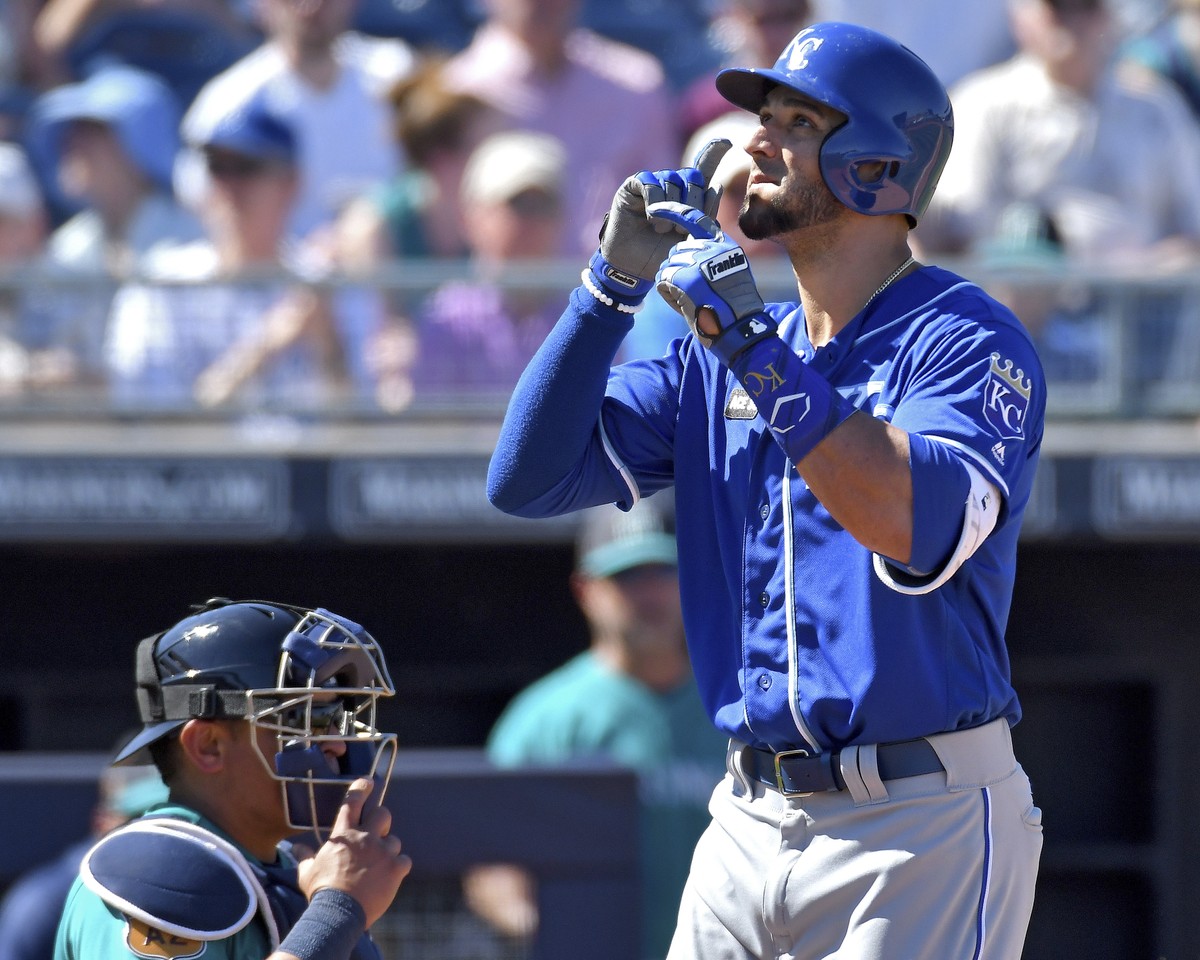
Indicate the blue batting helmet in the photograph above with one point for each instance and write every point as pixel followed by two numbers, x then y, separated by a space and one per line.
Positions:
pixel 897 112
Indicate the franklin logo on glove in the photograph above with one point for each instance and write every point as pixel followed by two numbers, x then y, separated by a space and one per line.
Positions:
pixel 730 262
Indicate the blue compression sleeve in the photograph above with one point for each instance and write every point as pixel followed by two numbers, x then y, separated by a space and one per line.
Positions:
pixel 941 485
pixel 554 408
pixel 328 929
pixel 799 405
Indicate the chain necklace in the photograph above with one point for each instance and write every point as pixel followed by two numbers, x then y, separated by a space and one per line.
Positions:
pixel 888 282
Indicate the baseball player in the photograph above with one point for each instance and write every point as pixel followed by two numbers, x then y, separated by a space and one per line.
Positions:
pixel 850 474
pixel 261 720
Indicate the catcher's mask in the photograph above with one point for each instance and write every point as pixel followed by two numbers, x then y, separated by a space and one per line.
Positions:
pixel 309 677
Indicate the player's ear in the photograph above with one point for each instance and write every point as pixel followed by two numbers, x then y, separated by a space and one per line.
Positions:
pixel 205 743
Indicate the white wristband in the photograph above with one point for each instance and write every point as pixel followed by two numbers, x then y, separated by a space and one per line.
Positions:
pixel 594 289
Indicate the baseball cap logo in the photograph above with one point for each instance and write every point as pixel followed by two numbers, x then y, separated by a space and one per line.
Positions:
pixel 724 264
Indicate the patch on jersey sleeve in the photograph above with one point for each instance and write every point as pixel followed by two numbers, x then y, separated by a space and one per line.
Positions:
pixel 144 940
pixel 740 406
pixel 1006 399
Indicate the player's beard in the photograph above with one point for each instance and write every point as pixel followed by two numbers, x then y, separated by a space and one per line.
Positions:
pixel 788 209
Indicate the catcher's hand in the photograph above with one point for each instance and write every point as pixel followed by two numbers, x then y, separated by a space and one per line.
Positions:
pixel 714 275
pixel 633 239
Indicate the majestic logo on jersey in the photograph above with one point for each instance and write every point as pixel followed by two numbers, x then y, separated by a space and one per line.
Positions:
pixel 725 264
pixel 798 57
pixel 144 940
pixel 1006 399
pixel 740 406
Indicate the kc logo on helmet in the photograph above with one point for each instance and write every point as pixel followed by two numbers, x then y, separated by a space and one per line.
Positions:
pixel 725 264
pixel 1006 399
pixel 801 48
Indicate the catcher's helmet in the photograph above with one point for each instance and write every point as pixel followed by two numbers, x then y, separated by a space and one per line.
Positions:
pixel 308 676
pixel 897 111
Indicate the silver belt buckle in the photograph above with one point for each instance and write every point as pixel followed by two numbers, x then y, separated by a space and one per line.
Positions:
pixel 779 773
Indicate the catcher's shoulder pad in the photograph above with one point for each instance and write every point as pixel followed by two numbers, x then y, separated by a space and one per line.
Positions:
pixel 175 876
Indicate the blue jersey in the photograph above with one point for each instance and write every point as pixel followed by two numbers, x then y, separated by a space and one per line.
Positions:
pixel 799 636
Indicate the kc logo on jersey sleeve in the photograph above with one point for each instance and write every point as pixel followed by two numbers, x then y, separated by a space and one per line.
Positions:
pixel 1006 399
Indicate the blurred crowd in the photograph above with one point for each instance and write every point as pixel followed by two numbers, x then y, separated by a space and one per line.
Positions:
pixel 299 204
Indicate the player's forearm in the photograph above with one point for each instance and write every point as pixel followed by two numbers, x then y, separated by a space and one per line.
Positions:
pixel 857 466
pixel 860 473
pixel 553 412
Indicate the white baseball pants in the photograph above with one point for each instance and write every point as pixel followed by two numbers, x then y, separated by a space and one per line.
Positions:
pixel 934 867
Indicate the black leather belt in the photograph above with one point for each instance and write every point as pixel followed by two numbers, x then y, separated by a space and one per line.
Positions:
pixel 794 773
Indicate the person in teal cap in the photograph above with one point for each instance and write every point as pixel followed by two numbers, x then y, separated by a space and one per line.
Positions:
pixel 629 697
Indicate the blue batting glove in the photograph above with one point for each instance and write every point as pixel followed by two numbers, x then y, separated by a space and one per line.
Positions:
pixel 698 224
pixel 636 243
pixel 716 274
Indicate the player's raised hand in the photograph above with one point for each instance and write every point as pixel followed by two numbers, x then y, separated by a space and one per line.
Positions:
pixel 361 857
pixel 709 282
pixel 634 241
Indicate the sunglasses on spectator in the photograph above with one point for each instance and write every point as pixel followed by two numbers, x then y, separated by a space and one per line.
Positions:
pixel 534 204
pixel 234 166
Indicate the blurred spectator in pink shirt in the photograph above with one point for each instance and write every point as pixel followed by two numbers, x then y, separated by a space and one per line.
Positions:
pixel 476 336
pixel 417 214
pixel 607 102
